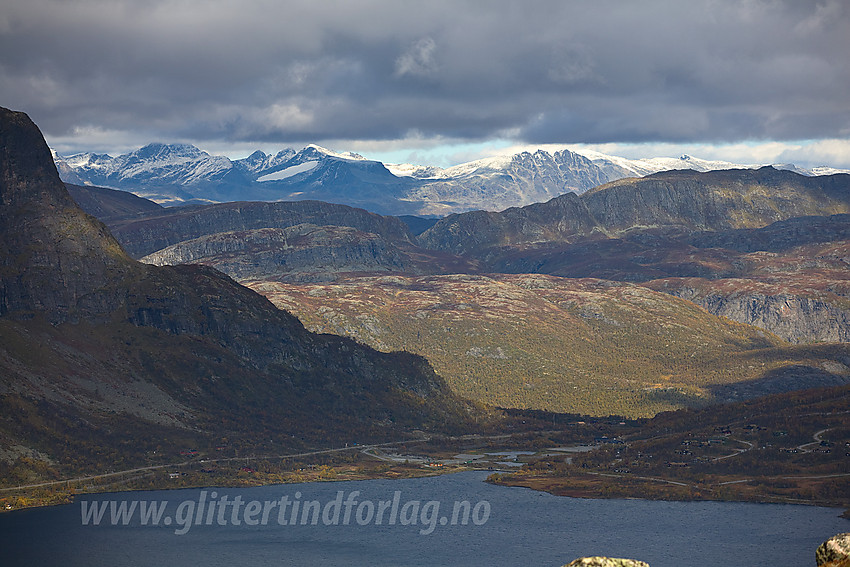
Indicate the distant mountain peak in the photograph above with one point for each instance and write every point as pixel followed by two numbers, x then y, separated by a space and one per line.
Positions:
pixel 159 149
pixel 314 148
pixel 179 173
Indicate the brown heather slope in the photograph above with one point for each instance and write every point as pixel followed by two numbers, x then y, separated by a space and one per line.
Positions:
pixel 108 363
pixel 584 346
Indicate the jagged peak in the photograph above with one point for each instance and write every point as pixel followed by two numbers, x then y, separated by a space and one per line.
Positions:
pixel 159 150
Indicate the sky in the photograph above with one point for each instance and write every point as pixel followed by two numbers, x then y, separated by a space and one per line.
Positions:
pixel 436 82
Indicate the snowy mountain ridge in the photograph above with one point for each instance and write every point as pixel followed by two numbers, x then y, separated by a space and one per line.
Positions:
pixel 173 174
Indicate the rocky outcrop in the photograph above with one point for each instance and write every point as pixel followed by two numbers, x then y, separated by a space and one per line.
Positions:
pixel 606 562
pixel 796 317
pixel 304 252
pixel 143 236
pixel 834 552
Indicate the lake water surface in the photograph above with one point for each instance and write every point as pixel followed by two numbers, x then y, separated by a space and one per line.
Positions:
pixel 503 526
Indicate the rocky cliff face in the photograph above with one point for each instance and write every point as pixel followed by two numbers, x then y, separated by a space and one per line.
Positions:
pixel 718 200
pixel 798 318
pixel 558 220
pixel 779 236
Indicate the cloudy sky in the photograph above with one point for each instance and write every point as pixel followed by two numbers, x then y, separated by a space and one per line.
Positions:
pixel 440 82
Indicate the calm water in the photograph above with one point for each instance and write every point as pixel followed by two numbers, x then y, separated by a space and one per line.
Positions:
pixel 524 528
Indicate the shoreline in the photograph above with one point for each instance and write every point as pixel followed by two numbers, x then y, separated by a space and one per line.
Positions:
pixel 594 487
pixel 590 485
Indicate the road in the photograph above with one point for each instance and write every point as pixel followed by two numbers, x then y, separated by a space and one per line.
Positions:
pixel 737 452
pixel 222 460
pixel 817 440
pixel 362 448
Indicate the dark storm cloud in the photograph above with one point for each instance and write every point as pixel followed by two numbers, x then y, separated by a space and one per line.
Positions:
pixel 554 71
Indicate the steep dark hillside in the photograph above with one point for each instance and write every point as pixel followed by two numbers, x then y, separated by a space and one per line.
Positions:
pixel 102 357
pixel 54 259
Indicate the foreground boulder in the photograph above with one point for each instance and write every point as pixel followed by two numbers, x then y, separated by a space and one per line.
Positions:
pixel 606 562
pixel 834 552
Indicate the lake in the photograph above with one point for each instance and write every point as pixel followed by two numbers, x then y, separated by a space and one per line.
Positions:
pixel 454 519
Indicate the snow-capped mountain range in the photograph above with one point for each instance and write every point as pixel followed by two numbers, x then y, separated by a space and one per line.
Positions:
pixel 173 174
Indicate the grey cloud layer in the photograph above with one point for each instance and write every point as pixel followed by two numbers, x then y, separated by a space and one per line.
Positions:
pixel 559 71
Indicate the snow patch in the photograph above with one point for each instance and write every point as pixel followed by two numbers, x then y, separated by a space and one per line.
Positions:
pixel 415 171
pixel 348 156
pixel 289 171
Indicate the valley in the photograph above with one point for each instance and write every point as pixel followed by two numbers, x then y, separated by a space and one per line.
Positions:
pixel 264 342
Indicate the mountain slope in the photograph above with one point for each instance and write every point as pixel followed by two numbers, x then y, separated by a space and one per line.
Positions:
pixel 571 345
pixel 681 201
pixel 100 352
